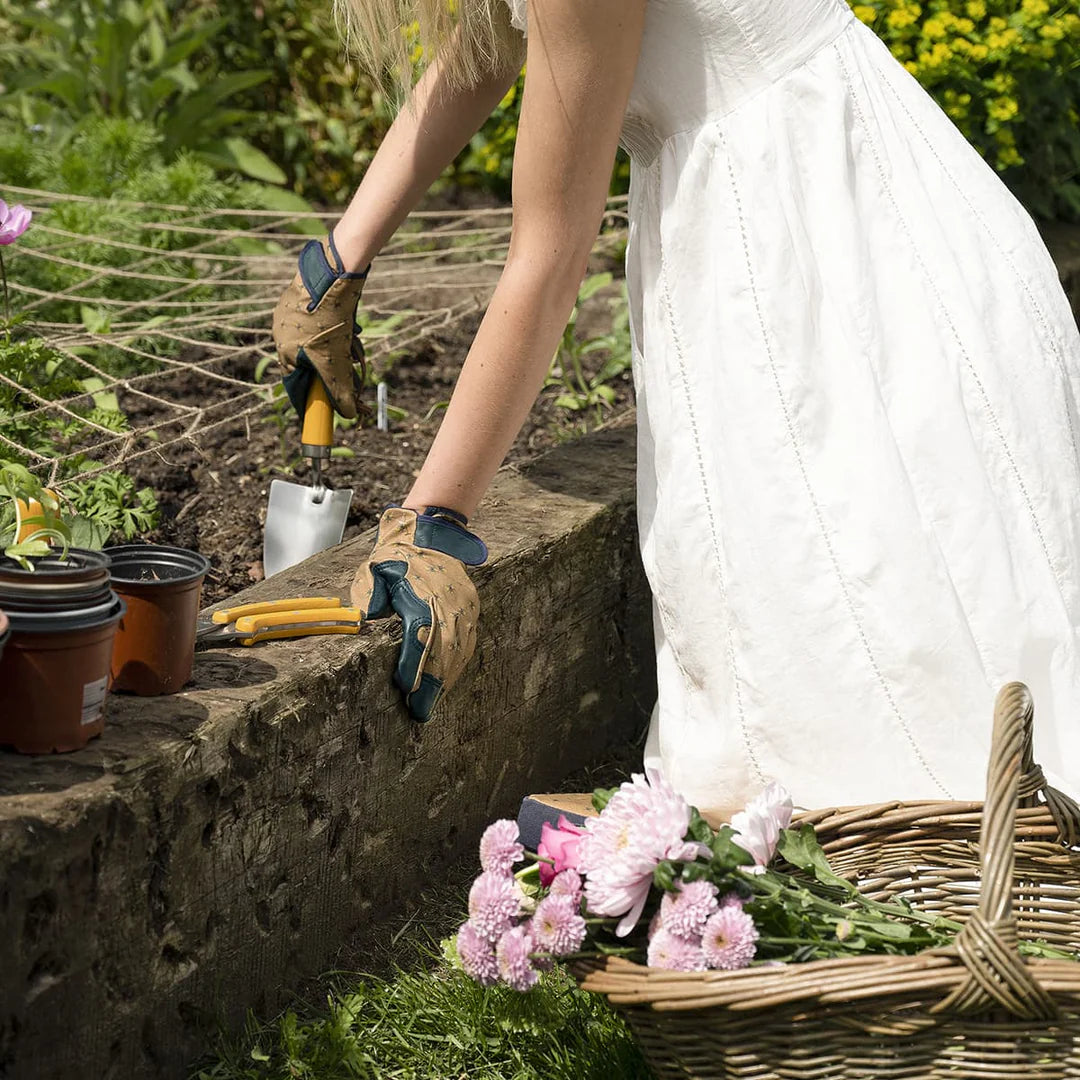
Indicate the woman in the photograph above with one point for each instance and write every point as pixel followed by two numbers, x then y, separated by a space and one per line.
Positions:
pixel 856 375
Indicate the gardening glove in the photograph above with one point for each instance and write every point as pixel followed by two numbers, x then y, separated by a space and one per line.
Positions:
pixel 315 329
pixel 417 569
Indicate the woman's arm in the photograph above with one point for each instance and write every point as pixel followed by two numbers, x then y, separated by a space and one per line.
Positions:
pixel 428 133
pixel 580 67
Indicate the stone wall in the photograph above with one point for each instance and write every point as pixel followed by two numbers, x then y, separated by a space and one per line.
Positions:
pixel 214 849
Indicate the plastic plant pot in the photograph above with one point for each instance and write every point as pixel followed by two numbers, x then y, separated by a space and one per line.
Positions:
pixel 54 674
pixel 79 574
pixel 155 644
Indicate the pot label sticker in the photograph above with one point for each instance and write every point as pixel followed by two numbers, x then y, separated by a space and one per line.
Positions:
pixel 93 700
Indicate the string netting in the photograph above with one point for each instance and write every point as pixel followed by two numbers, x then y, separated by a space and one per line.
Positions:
pixel 143 300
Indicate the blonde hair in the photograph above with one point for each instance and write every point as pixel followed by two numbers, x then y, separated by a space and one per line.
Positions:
pixel 394 39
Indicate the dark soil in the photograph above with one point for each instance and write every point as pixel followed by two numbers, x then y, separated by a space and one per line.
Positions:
pixel 213 496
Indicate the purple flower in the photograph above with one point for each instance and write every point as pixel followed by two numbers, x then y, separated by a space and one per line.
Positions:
pixel 667 950
pixel 758 827
pixel 515 965
pixel 645 822
pixel 494 903
pixel 499 847
pixel 684 913
pixel 568 883
pixel 730 939
pixel 557 926
pixel 13 222
pixel 477 956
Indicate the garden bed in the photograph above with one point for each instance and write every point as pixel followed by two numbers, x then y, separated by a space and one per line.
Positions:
pixel 213 495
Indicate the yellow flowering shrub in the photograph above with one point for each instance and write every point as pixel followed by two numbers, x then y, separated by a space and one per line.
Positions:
pixel 1008 73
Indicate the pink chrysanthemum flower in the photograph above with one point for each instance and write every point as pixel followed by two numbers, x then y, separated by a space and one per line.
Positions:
pixel 512 955
pixel 645 822
pixel 667 950
pixel 684 913
pixel 568 883
pixel 494 902
pixel 730 939
pixel 557 926
pixel 732 899
pixel 477 956
pixel 758 827
pixel 499 847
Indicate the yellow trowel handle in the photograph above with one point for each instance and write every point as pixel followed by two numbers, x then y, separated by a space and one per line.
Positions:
pixel 317 435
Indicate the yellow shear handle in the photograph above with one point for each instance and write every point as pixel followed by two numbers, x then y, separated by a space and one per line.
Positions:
pixel 289 624
pixel 300 631
pixel 268 607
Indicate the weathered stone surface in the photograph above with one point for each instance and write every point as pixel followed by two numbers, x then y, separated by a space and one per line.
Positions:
pixel 215 848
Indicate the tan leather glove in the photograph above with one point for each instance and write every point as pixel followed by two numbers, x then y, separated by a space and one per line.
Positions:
pixel 417 569
pixel 315 329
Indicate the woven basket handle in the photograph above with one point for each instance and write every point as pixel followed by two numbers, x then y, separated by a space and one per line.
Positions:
pixel 988 942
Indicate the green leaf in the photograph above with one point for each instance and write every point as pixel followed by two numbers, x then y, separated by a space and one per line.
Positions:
pixel 236 153
pixel 699 829
pixel 664 876
pixel 593 285
pixel 88 534
pixel 94 319
pixel 281 198
pixel 102 398
pixel 727 855
pixel 601 797
pixel 800 847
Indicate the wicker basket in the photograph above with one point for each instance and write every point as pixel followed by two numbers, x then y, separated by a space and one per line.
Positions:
pixel 972 1010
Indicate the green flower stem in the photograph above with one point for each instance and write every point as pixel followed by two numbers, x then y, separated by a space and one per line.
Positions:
pixel 791 888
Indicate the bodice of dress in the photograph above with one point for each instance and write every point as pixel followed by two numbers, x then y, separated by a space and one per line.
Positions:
pixel 700 59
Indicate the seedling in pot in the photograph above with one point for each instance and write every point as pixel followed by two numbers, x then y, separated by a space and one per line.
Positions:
pixel 30 516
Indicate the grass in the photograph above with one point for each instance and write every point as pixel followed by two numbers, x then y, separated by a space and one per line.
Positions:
pixel 414 1015
pixel 437 1024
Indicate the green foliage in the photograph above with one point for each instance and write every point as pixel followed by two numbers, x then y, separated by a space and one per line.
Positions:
pixel 71 60
pixel 118 161
pixel 100 507
pixel 1008 73
pixel 431 1025
pixel 580 391
pixel 109 500
pixel 316 117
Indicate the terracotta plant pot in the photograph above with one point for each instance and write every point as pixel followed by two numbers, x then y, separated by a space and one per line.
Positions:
pixel 54 674
pixel 155 644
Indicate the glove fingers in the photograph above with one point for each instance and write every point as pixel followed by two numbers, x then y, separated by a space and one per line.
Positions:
pixel 370 592
pixel 417 638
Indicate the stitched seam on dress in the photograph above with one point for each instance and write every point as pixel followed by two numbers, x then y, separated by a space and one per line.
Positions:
pixel 1025 287
pixel 991 414
pixel 801 461
pixel 680 358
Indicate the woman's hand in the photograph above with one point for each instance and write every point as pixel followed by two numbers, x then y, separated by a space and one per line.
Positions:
pixel 417 569
pixel 315 329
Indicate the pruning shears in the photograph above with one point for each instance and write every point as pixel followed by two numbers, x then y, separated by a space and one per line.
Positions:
pixel 276 619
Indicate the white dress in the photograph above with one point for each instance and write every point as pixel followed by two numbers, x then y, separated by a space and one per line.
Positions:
pixel 857 378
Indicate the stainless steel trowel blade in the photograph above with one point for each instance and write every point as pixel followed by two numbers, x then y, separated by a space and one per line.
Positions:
pixel 300 522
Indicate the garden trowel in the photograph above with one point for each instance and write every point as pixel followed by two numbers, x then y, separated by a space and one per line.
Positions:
pixel 302 520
